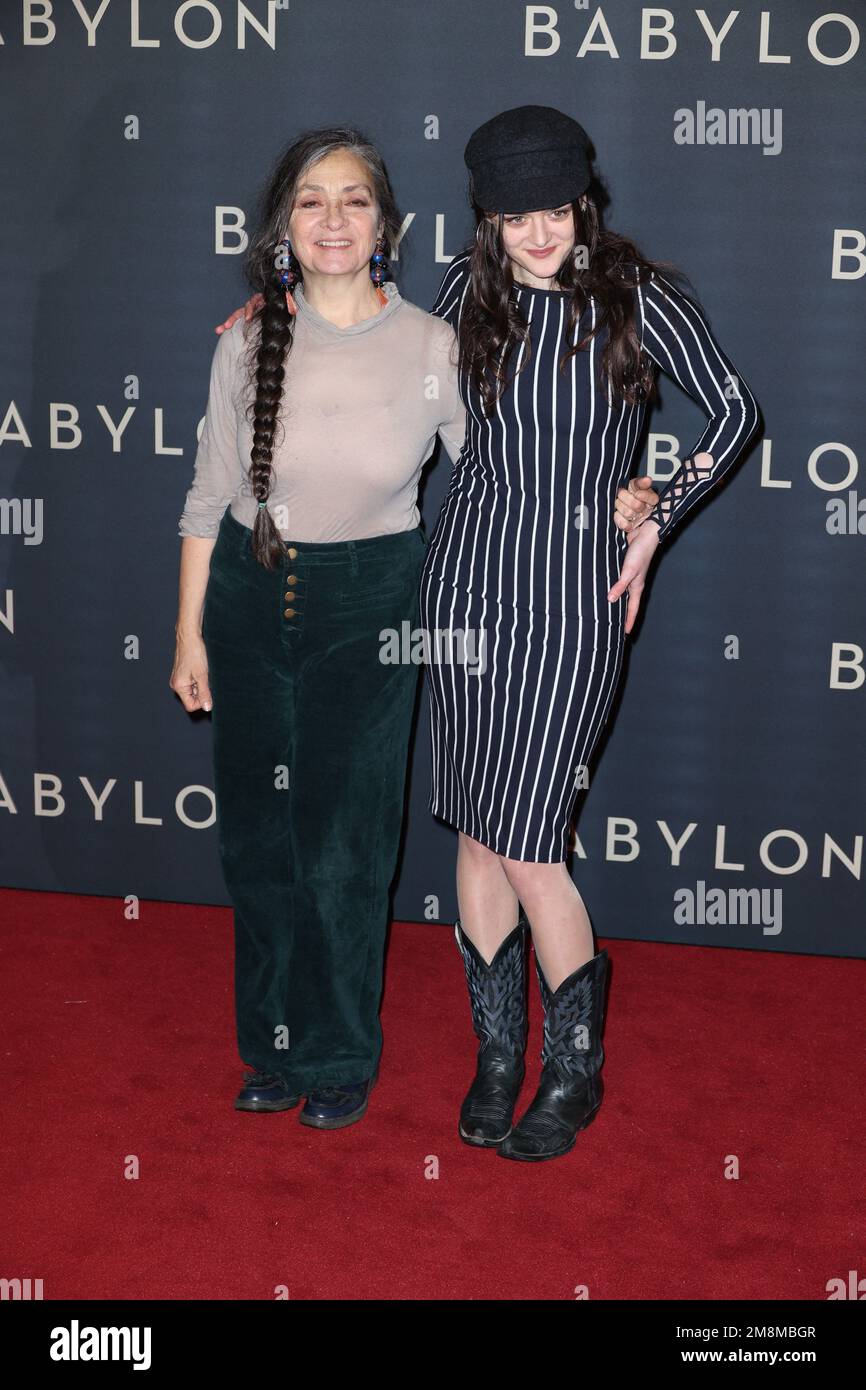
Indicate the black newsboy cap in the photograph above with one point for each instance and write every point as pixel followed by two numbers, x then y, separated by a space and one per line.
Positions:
pixel 526 159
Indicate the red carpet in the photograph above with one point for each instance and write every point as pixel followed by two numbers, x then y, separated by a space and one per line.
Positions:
pixel 119 1041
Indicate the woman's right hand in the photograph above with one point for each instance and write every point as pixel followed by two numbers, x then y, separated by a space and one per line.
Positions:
pixel 189 674
pixel 253 303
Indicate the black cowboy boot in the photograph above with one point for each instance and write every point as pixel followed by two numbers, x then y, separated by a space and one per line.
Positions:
pixel 497 993
pixel 571 1088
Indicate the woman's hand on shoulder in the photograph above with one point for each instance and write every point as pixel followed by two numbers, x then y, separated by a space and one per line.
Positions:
pixel 254 303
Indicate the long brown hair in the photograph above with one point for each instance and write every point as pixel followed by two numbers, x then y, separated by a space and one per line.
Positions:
pixel 270 346
pixel 492 325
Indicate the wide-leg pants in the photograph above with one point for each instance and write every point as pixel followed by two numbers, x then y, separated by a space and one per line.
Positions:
pixel 311 726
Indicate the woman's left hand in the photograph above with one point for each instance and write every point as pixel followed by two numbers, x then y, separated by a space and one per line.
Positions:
pixel 643 542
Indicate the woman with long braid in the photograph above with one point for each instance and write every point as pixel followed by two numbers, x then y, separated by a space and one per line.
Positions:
pixel 290 568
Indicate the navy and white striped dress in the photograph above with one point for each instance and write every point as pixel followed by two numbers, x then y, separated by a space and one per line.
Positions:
pixel 525 550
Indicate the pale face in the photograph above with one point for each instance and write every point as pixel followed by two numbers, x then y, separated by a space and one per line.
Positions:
pixel 537 244
pixel 335 220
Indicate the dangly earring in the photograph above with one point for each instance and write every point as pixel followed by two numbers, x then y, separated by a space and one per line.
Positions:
pixel 283 264
pixel 378 263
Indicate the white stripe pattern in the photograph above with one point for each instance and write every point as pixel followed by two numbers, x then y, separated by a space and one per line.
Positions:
pixel 508 557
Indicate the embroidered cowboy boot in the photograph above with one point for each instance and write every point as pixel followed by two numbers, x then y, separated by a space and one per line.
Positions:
pixel 497 994
pixel 571 1087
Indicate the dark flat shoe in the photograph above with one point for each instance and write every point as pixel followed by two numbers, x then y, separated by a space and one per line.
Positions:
pixel 334 1107
pixel 264 1091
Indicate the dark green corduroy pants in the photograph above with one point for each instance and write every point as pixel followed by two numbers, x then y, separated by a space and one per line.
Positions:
pixel 311 738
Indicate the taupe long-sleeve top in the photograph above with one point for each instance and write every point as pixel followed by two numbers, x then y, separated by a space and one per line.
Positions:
pixel 358 419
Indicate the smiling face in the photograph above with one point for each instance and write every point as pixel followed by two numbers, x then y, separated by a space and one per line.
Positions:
pixel 335 219
pixel 537 243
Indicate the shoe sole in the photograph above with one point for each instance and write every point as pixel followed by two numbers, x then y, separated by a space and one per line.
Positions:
pixel 556 1153
pixel 267 1107
pixel 343 1120
pixel 340 1123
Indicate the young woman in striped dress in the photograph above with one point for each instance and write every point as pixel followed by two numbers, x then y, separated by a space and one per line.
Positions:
pixel 524 558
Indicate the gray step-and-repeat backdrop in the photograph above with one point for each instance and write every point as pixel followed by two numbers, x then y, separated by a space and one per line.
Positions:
pixel 134 136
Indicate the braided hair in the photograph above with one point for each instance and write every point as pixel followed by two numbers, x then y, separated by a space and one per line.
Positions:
pixel 273 341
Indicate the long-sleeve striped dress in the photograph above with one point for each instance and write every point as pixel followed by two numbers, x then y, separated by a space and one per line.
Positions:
pixel 524 552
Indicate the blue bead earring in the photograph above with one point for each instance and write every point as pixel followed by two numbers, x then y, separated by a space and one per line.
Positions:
pixel 378 266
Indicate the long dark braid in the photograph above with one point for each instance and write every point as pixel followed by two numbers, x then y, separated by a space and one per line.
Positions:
pixel 269 346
